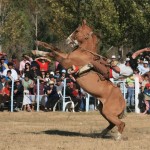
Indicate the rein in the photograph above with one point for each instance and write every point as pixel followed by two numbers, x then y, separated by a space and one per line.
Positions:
pixel 95 54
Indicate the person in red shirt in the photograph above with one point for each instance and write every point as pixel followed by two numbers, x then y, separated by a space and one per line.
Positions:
pixel 43 63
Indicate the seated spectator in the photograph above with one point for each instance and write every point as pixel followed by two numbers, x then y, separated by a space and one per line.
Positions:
pixel 8 77
pixel 43 75
pixel 145 90
pixel 47 77
pixel 4 64
pixel 145 68
pixel 43 63
pixel 35 72
pixel 52 96
pixel 18 94
pixel 16 62
pixel 28 84
pixel 59 85
pixel 63 74
pixel 1 69
pixel 27 70
pixel 26 59
pixel 13 72
pixel 4 95
pixel 52 78
pixel 57 74
pixel 73 92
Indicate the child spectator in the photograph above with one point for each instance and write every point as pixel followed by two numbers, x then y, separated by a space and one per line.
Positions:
pixel 13 71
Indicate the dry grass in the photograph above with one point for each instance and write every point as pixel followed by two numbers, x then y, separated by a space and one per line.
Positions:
pixel 69 131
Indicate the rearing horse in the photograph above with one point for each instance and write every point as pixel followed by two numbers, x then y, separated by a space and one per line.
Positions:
pixel 110 96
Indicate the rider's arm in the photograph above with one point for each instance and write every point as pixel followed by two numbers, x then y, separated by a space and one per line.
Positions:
pixel 116 69
pixel 134 55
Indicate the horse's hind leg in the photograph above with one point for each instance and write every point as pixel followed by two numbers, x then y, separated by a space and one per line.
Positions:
pixel 110 126
pixel 115 120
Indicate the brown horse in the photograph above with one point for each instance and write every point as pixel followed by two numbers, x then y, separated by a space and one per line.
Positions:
pixel 111 98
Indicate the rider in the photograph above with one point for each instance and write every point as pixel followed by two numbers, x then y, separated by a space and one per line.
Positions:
pixel 114 70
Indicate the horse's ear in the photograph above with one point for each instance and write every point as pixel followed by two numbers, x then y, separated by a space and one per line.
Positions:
pixel 83 22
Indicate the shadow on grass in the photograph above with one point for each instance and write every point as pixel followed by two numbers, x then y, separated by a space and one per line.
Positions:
pixel 69 133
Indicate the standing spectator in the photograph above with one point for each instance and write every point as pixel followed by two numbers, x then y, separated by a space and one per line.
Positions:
pixel 43 63
pixel 52 96
pixel 41 92
pixel 130 91
pixel 13 72
pixel 18 94
pixel 146 97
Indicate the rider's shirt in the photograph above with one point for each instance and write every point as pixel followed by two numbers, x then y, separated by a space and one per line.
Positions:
pixel 124 71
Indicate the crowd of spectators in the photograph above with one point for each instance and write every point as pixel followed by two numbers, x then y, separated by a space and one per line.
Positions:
pixel 26 72
pixel 142 72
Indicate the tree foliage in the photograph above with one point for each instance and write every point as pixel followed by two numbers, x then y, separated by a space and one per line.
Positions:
pixel 120 22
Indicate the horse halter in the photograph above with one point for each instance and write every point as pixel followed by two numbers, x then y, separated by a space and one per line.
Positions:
pixel 74 42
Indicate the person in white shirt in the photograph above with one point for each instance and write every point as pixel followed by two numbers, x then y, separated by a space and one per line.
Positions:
pixel 14 74
pixel 145 68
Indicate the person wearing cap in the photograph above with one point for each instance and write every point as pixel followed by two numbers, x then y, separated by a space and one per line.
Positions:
pixel 35 72
pixel 126 69
pixel 145 67
pixel 18 94
pixel 14 74
pixel 43 63
pixel 52 96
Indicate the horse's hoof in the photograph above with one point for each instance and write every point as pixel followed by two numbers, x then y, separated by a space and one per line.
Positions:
pixel 118 137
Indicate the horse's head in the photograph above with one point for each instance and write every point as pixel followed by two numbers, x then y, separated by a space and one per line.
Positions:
pixel 81 34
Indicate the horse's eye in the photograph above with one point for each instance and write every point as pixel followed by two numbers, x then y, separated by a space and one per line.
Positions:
pixel 76 31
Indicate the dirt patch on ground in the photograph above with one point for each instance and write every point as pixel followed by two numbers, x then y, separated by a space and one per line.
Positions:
pixel 70 131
